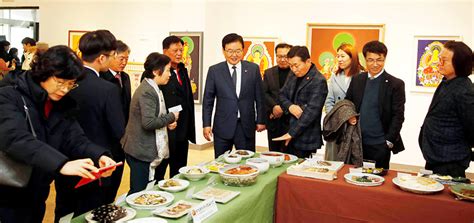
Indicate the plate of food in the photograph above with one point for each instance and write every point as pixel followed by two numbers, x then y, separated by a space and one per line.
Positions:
pixel 220 195
pixel 244 153
pixel 463 191
pixel 364 179
pixel 290 158
pixel 177 210
pixel 418 185
pixel 148 220
pixel 173 185
pixel 110 213
pixel 149 199
pixel 214 166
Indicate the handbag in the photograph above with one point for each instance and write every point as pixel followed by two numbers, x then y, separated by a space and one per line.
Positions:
pixel 12 172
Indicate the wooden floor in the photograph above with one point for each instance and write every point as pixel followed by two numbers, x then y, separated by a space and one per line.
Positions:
pixel 194 157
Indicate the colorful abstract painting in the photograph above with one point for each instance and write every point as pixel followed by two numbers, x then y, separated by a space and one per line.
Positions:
pixel 73 40
pixel 261 51
pixel 324 39
pixel 427 61
pixel 192 59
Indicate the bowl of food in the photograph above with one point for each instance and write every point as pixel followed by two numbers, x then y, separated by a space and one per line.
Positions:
pixel 274 158
pixel 239 175
pixel 244 153
pixel 232 158
pixel 193 173
pixel 261 164
pixel 173 185
pixel 149 199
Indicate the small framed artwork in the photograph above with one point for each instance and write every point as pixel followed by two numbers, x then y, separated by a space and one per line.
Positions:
pixel 426 72
pixel 192 59
pixel 135 71
pixel 73 40
pixel 323 40
pixel 261 51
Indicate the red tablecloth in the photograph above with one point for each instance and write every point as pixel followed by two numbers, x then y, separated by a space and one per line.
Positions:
pixel 311 200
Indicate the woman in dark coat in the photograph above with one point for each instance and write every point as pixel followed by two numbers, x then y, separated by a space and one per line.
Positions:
pixel 60 146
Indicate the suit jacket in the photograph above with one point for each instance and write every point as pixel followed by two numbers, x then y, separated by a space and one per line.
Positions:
pixel 310 96
pixel 219 85
pixel 391 104
pixel 271 90
pixel 447 134
pixel 176 94
pixel 139 140
pixel 99 101
pixel 125 89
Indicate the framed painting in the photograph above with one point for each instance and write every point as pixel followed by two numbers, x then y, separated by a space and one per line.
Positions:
pixel 135 71
pixel 73 40
pixel 192 59
pixel 427 76
pixel 260 50
pixel 323 40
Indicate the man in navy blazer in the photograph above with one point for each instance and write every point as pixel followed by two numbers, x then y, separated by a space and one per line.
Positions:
pixel 237 86
pixel 380 99
pixel 102 119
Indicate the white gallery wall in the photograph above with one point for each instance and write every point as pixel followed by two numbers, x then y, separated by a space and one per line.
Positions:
pixel 144 24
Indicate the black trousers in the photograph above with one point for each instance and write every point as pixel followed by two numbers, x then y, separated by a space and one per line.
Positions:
pixel 277 128
pixel 379 153
pixel 453 169
pixel 20 205
pixel 139 171
pixel 178 153
pixel 239 140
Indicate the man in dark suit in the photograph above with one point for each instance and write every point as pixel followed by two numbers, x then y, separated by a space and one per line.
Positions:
pixel 380 99
pixel 237 86
pixel 302 97
pixel 117 76
pixel 178 92
pixel 273 81
pixel 101 118
pixel 447 134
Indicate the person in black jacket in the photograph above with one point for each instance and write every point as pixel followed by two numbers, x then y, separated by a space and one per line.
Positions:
pixel 101 117
pixel 60 146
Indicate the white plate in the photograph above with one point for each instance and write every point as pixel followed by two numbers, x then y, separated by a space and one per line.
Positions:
pixel 184 185
pixel 169 198
pixel 348 178
pixel 149 220
pixel 220 195
pixel 130 215
pixel 437 187
pixel 162 212
pixel 293 158
pixel 250 153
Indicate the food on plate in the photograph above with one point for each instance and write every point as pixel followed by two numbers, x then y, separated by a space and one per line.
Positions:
pixel 108 213
pixel 323 163
pixel 467 192
pixel 149 199
pixel 422 183
pixel 372 170
pixel 214 166
pixel 272 154
pixel 178 209
pixel 241 170
pixel 194 171
pixel 316 169
pixel 171 183
pixel 365 179
pixel 242 152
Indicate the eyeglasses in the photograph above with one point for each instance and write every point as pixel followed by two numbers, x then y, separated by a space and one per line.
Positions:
pixel 230 52
pixel 372 61
pixel 65 85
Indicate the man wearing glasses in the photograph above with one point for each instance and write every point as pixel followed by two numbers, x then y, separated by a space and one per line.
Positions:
pixel 380 99
pixel 273 80
pixel 237 86
pixel 101 118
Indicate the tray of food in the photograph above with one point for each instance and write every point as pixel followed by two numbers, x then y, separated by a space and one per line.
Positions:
pixel 149 199
pixel 173 185
pixel 177 210
pixel 418 185
pixel 220 195
pixel 364 179
pixel 110 213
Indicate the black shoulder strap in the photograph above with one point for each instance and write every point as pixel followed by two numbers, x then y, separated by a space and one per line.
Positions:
pixel 28 116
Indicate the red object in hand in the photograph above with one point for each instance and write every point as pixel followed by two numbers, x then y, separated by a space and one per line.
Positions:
pixel 97 175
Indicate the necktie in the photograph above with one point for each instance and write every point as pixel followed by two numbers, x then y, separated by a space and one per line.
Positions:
pixel 179 78
pixel 119 78
pixel 234 75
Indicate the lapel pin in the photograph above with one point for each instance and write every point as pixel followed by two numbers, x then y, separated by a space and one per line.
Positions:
pixel 386 81
pixel 245 71
pixel 307 78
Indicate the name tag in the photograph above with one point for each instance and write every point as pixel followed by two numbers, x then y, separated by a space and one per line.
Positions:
pixel 203 210
pixel 176 108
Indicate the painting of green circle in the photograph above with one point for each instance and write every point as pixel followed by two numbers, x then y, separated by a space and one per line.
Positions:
pixel 341 38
